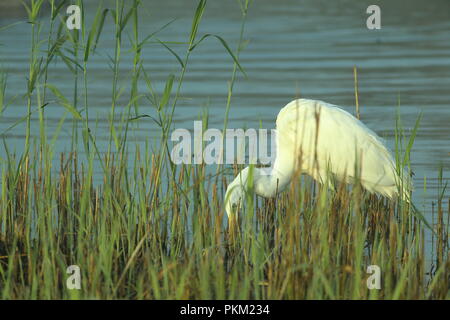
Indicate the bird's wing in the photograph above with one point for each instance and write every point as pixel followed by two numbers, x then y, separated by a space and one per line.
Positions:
pixel 352 142
pixel 342 141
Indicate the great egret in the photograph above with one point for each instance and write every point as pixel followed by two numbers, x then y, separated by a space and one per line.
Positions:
pixel 317 137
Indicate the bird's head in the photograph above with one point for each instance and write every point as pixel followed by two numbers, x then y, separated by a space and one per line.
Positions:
pixel 235 194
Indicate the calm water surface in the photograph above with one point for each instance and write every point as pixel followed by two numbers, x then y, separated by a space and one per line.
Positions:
pixel 293 48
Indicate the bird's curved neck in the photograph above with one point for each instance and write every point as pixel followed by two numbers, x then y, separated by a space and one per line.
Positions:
pixel 269 182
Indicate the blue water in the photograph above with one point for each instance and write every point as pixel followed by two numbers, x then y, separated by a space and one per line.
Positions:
pixel 293 49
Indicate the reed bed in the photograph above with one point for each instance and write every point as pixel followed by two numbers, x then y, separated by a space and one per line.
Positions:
pixel 147 229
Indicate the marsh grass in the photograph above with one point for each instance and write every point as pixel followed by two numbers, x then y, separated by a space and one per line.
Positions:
pixel 152 230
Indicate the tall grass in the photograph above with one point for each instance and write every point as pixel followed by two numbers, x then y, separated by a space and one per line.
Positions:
pixel 156 231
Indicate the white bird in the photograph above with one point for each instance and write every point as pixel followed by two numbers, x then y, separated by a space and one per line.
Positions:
pixel 317 138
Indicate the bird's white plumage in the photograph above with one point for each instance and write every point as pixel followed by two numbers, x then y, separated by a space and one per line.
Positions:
pixel 320 138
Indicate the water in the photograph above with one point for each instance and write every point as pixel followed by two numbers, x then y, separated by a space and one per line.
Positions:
pixel 295 48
